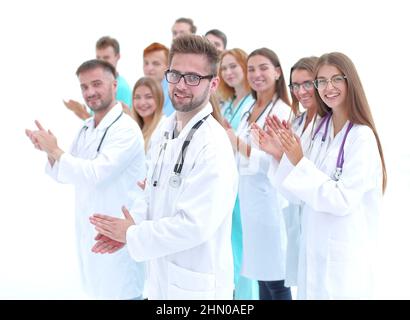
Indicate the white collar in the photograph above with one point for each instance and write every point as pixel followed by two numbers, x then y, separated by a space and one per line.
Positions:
pixel 107 119
pixel 201 114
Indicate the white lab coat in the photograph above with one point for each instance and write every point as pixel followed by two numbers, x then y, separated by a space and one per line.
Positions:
pixel 148 149
pixel 263 226
pixel 186 232
pixel 292 213
pixel 103 183
pixel 339 218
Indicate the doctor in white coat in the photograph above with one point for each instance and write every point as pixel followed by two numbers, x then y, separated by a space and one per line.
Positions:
pixel 185 233
pixel 303 93
pixel 263 227
pixel 340 184
pixel 105 162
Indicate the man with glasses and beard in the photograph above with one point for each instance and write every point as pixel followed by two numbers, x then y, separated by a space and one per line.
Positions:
pixel 185 229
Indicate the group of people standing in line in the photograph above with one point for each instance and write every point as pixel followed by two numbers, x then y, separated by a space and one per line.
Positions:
pixel 222 187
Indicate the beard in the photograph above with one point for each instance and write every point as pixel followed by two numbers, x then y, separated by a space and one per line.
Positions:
pixel 191 104
pixel 102 104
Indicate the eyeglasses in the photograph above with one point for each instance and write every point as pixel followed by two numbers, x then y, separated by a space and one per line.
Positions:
pixel 190 79
pixel 295 87
pixel 336 81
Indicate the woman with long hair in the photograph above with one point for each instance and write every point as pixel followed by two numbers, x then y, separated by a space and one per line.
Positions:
pixel 264 234
pixel 147 105
pixel 340 184
pixel 303 123
pixel 234 89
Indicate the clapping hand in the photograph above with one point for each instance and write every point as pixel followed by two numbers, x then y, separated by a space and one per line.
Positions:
pixel 288 139
pixel 267 140
pixel 106 245
pixel 112 227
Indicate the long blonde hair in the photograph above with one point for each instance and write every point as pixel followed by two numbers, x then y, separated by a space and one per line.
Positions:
pixel 156 91
pixel 358 109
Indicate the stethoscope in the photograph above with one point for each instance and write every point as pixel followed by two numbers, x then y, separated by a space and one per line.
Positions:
pixel 228 110
pixel 175 179
pixel 340 157
pixel 85 127
pixel 247 114
pixel 301 119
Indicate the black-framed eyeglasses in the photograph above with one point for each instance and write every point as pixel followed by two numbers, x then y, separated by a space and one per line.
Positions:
pixel 336 80
pixel 190 79
pixel 295 87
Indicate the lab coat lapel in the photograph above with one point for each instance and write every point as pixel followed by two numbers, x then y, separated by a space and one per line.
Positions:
pixel 88 146
pixel 201 114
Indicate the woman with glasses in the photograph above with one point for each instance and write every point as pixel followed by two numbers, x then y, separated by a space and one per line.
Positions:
pixel 302 92
pixel 264 234
pixel 235 90
pixel 340 185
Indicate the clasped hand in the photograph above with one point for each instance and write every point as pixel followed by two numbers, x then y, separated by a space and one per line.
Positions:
pixel 112 231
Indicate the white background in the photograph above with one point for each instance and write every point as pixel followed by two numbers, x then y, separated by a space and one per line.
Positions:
pixel 43 42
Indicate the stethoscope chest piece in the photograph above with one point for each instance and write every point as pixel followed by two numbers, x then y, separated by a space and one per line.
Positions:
pixel 337 174
pixel 175 181
pixel 340 157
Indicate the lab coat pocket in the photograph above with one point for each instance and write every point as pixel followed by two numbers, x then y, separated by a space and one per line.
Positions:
pixel 343 281
pixel 184 284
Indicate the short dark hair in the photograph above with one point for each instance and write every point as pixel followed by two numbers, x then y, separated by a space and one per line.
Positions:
pixel 187 21
pixel 107 41
pixel 194 44
pixel 219 34
pixel 94 64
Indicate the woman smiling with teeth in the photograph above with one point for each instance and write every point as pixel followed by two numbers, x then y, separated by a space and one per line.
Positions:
pixel 264 234
pixel 147 104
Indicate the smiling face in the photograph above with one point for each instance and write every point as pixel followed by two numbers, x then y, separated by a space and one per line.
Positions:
pixel 306 97
pixel 262 74
pixel 231 71
pixel 186 98
pixel 143 102
pixel 98 88
pixel 334 95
